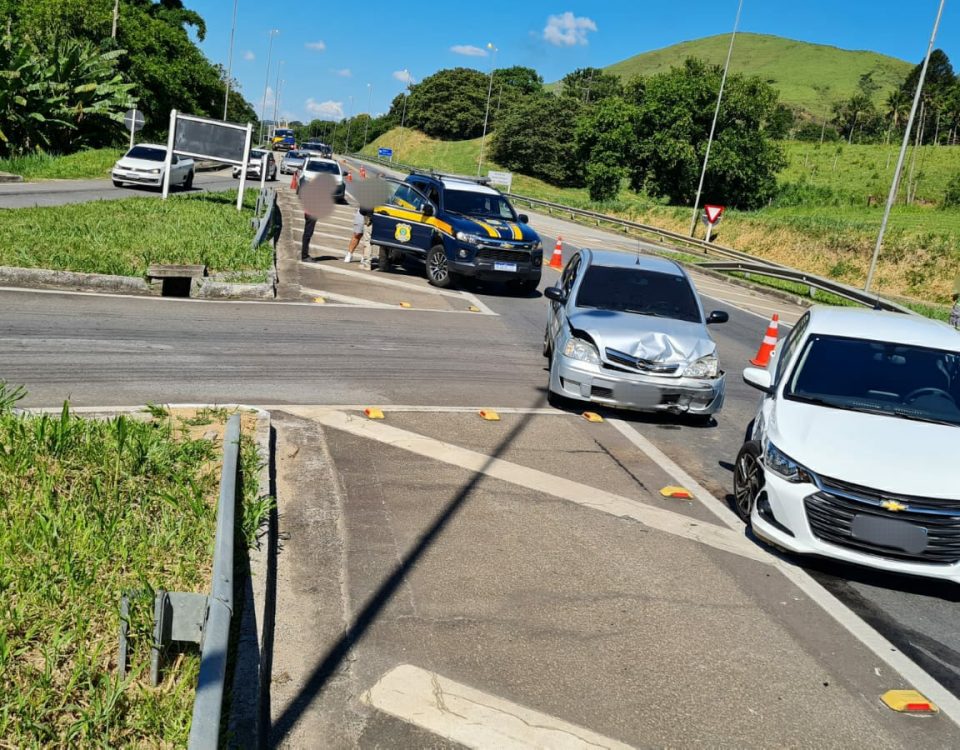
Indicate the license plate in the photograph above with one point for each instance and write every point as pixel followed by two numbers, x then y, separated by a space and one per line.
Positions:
pixel 889 532
pixel 512 267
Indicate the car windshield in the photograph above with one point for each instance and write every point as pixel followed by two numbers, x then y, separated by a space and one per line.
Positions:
pixel 323 166
pixel 473 203
pixel 293 155
pixel 635 290
pixel 878 377
pixel 147 153
pixel 257 155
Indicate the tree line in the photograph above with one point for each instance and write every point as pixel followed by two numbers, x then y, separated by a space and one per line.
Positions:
pixel 66 79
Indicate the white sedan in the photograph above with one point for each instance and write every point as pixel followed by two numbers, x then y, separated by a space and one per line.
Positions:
pixel 143 165
pixel 852 454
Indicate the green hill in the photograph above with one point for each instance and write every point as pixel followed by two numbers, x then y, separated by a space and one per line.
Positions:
pixel 809 76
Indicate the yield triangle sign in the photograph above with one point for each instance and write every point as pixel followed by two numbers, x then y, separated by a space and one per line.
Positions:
pixel 713 213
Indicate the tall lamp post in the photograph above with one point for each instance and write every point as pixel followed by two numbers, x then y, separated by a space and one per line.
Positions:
pixel 366 128
pixel 346 142
pixel 486 115
pixel 233 29
pixel 266 85
pixel 276 96
pixel 403 114
pixel 894 186
pixel 713 125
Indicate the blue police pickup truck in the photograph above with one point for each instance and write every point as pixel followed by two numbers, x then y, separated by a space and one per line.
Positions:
pixel 458 226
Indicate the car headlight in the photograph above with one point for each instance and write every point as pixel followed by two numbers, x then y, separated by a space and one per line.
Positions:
pixel 538 245
pixel 785 467
pixel 155 171
pixel 472 239
pixel 705 367
pixel 581 350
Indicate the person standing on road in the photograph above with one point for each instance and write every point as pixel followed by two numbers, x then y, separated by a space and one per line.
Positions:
pixel 360 224
pixel 309 225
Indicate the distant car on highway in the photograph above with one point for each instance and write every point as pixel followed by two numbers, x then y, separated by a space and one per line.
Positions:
pixel 255 163
pixel 292 161
pixel 853 451
pixel 143 165
pixel 315 166
pixel 630 331
pixel 317 148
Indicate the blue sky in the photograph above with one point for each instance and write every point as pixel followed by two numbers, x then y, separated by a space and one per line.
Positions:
pixel 332 51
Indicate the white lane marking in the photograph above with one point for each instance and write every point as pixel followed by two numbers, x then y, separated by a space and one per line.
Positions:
pixel 360 302
pixel 883 649
pixel 539 481
pixel 304 410
pixel 473 718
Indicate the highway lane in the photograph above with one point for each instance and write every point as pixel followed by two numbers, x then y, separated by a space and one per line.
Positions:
pixel 59 192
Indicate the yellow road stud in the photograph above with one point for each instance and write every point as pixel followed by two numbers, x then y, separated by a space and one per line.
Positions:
pixel 489 415
pixel 473 308
pixel 678 493
pixel 373 413
pixel 319 300
pixel 405 304
pixel 592 416
pixel 908 702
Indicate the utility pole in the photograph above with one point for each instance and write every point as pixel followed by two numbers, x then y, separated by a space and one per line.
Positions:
pixel 116 17
pixel 903 150
pixel 486 114
pixel 233 29
pixel 713 125
pixel 403 114
pixel 276 96
pixel 366 128
pixel 346 143
pixel 266 85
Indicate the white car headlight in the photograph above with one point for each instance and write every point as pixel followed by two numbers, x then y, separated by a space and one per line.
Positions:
pixel 472 239
pixel 783 466
pixel 155 171
pixel 705 367
pixel 538 245
pixel 581 350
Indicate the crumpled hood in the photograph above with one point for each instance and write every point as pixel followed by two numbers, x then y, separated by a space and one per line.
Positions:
pixel 644 336
pixel 495 229
pixel 883 453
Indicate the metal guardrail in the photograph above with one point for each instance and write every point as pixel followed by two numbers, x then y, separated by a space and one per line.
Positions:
pixel 266 201
pixel 742 262
pixel 207 706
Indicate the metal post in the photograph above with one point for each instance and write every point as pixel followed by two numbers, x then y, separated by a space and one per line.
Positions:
pixel 168 161
pixel 233 28
pixel 208 704
pixel 276 96
pixel 403 114
pixel 713 125
pixel 263 172
pixel 346 142
pixel 366 128
pixel 486 114
pixel 133 125
pixel 116 16
pixel 243 172
pixel 903 151
pixel 266 86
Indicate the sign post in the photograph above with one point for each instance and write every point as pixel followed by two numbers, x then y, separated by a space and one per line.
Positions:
pixel 501 178
pixel 243 173
pixel 711 217
pixel 385 153
pixel 168 160
pixel 133 121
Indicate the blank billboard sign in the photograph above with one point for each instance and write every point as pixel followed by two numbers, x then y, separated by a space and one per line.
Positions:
pixel 206 139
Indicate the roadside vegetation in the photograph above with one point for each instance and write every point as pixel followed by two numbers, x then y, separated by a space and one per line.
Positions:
pixel 87 164
pixel 125 236
pixel 91 509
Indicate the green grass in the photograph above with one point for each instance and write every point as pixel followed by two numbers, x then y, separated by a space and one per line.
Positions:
pixel 127 235
pixel 808 76
pixel 90 163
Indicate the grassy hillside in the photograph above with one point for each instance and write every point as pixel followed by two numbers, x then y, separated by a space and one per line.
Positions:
pixel 809 76
pixel 827 227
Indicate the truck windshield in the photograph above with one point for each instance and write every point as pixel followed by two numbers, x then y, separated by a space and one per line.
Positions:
pixel 878 377
pixel 471 203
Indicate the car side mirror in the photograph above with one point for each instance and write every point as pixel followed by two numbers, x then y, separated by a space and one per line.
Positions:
pixel 759 379
pixel 555 293
pixel 427 210
pixel 523 219
pixel 718 316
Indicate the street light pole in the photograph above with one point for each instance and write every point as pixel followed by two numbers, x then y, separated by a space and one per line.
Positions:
pixel 266 85
pixel 403 114
pixel 366 128
pixel 486 114
pixel 276 96
pixel 713 125
pixel 903 151
pixel 346 143
pixel 233 29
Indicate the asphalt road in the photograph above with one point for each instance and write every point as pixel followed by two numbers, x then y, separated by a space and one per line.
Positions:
pixel 59 192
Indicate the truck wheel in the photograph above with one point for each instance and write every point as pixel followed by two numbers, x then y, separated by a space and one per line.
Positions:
pixel 188 180
pixel 384 260
pixel 438 270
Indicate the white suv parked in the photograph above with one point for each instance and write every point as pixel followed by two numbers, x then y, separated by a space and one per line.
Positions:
pixel 854 450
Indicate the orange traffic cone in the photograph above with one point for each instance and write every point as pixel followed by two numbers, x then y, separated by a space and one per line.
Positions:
pixel 363 173
pixel 556 260
pixel 769 343
pixel 293 182
pixel 349 177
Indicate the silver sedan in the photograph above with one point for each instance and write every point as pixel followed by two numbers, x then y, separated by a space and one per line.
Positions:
pixel 630 331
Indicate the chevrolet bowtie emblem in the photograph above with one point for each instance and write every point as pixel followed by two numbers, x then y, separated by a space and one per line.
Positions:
pixel 893 506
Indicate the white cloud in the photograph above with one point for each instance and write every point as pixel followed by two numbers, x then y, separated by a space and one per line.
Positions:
pixel 403 76
pixel 316 46
pixel 567 30
pixel 469 50
pixel 328 110
pixel 344 72
pixel 248 55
